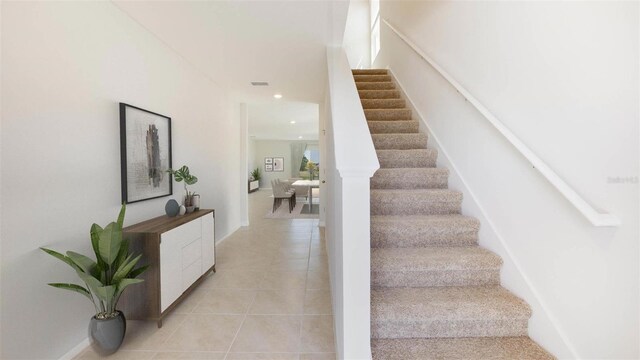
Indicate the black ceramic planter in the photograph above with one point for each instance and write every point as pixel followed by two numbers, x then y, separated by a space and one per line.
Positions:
pixel 107 335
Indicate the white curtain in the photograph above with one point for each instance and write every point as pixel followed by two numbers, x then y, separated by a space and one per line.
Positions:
pixel 297 153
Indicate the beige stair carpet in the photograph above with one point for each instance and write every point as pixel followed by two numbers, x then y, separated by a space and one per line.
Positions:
pixel 435 294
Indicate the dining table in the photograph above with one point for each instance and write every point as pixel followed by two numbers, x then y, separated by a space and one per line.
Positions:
pixel 311 184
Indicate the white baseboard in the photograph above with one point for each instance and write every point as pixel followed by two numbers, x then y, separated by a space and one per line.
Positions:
pixel 76 350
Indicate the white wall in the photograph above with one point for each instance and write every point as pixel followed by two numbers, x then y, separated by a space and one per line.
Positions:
pixel 275 148
pixel 66 65
pixel 563 76
pixel 357 36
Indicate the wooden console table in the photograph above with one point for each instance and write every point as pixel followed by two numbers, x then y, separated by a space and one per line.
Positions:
pixel 180 251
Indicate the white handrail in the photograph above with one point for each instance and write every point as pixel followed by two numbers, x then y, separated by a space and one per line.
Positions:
pixel 595 217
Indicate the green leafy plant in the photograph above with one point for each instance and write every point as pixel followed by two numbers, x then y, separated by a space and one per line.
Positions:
pixel 255 174
pixel 183 174
pixel 113 270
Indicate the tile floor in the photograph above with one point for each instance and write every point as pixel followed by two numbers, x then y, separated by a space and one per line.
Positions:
pixel 269 299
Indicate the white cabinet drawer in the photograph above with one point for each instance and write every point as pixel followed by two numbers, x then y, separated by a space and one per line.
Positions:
pixel 191 274
pixel 191 252
pixel 184 233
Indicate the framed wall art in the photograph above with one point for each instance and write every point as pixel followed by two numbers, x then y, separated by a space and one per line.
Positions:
pixel 268 161
pixel 278 164
pixel 268 167
pixel 145 154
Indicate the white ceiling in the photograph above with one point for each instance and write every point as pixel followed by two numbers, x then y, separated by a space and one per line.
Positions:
pixel 273 120
pixel 236 42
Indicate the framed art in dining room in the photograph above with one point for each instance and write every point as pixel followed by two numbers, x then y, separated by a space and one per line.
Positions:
pixel 268 167
pixel 145 154
pixel 278 164
pixel 268 160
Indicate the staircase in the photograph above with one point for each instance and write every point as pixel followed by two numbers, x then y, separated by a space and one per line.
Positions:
pixel 435 294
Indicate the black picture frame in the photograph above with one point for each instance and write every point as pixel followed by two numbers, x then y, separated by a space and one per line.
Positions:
pixel 144 151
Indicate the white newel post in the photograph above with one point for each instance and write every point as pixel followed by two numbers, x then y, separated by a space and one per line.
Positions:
pixel 356 286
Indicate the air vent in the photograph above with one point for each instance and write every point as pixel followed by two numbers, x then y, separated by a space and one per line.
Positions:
pixel 259 83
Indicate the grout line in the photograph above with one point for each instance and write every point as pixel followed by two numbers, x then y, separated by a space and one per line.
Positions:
pixel 241 324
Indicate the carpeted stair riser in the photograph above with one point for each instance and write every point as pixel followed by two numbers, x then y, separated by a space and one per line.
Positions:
pixel 435 293
pixel 407 158
pixel 383 103
pixel 495 348
pixel 415 202
pixel 438 266
pixel 369 71
pixel 387 114
pixel 393 127
pixel 410 178
pixel 399 141
pixel 372 78
pixel 444 312
pixel 421 231
pixel 375 85
pixel 379 94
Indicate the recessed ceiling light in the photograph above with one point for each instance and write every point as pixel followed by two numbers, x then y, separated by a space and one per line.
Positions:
pixel 292 122
pixel 299 137
pixel 278 96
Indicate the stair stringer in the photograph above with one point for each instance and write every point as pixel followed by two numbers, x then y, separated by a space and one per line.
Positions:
pixel 512 275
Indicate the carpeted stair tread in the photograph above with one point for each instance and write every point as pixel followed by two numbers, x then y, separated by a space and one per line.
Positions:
pixel 448 311
pixel 423 230
pixel 399 141
pixel 372 78
pixel 415 202
pixel 393 127
pixel 375 85
pixel 383 103
pixel 435 293
pixel 369 71
pixel 410 178
pixel 484 348
pixel 379 94
pixel 387 114
pixel 412 158
pixel 436 266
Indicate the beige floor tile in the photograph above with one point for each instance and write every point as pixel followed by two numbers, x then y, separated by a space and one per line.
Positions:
pixel 318 356
pixel 278 302
pixel 318 250
pixel 190 355
pixel 318 263
pixel 204 332
pixel 234 279
pixel 293 252
pixel 317 334
pixel 318 280
pixel 244 264
pixel 225 301
pixel 262 356
pixel 317 302
pixel 89 354
pixel 268 333
pixel 282 264
pixel 192 300
pixel 284 280
pixel 145 335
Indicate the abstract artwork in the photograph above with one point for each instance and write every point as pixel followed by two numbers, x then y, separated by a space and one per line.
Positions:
pixel 145 154
pixel 278 164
